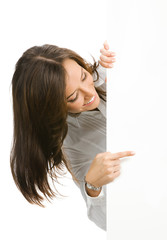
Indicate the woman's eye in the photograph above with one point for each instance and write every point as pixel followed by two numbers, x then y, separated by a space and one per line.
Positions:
pixel 84 77
pixel 74 99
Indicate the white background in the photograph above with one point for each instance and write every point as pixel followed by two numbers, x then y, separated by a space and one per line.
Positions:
pixel 80 26
pixel 137 119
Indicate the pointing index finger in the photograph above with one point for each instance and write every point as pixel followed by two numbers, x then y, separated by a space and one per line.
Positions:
pixel 123 154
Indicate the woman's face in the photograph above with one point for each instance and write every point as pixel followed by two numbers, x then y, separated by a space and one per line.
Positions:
pixel 81 94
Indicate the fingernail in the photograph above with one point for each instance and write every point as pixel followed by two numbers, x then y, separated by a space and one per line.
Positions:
pixel 133 153
pixel 110 65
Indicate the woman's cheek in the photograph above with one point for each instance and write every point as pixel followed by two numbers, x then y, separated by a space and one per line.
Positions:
pixel 73 107
pixel 78 106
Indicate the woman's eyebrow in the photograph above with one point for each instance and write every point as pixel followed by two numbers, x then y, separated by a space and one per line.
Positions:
pixel 76 89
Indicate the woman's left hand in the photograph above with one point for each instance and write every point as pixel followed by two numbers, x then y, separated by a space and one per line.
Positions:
pixel 107 57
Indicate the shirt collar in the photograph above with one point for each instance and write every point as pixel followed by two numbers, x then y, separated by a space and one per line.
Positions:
pixel 102 107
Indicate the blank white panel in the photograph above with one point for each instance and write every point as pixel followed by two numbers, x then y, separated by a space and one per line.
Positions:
pixel 137 119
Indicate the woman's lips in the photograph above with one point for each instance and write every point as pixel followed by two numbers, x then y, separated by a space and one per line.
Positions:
pixel 89 103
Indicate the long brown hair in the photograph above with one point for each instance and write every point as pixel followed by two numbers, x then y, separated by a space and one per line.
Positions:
pixel 39 118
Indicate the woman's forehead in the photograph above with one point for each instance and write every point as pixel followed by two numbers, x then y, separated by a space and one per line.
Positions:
pixel 73 70
pixel 71 67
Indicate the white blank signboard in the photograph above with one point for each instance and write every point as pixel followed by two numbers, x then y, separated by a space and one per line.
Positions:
pixel 137 119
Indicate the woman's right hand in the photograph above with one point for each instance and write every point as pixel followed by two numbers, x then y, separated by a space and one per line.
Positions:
pixel 105 168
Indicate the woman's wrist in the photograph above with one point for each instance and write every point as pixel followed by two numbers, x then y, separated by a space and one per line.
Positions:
pixel 92 193
pixel 92 190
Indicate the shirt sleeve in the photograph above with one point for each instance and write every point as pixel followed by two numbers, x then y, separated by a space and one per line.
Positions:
pixel 96 206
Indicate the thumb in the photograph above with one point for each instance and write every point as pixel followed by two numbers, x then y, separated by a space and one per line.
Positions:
pixel 105 44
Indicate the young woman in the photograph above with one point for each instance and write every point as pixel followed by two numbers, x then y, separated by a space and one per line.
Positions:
pixel 59 106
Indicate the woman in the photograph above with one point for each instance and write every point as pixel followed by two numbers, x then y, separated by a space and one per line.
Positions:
pixel 59 120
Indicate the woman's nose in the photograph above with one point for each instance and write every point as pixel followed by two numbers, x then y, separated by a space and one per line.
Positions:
pixel 86 90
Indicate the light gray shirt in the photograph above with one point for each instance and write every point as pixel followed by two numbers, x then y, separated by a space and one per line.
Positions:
pixel 86 138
